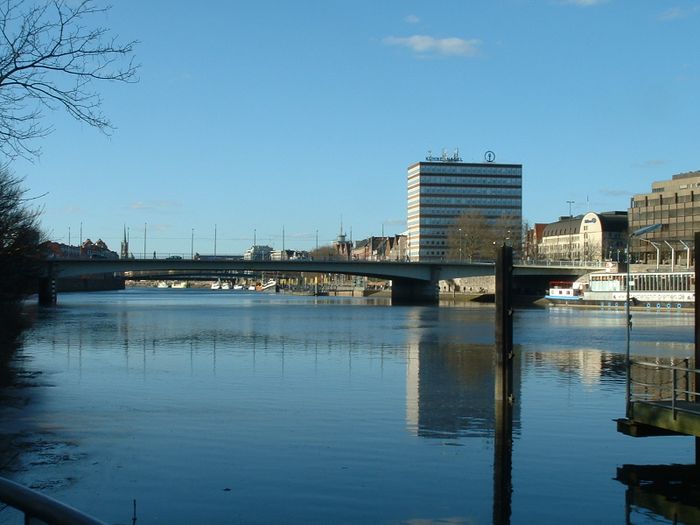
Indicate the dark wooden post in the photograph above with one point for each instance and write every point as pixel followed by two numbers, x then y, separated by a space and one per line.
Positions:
pixel 503 395
pixel 47 291
pixel 697 345
pixel 504 324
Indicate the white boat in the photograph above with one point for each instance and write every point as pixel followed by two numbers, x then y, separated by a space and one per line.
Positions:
pixel 225 286
pixel 162 284
pixel 216 285
pixel 180 284
pixel 238 287
pixel 252 288
pixel 648 290
pixel 269 286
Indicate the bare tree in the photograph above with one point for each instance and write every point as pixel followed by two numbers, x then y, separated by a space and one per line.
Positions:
pixel 469 237
pixel 50 59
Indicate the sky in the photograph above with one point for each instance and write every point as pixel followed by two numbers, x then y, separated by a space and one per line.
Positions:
pixel 251 119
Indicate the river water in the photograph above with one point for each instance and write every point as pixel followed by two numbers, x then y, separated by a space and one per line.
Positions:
pixel 222 407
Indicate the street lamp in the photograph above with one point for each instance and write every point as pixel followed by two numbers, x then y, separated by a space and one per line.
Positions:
pixel 460 244
pixel 637 233
pixel 658 255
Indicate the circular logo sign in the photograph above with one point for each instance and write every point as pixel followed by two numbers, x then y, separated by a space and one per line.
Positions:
pixel 489 156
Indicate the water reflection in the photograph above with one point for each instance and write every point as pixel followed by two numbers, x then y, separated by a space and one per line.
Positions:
pixel 324 411
pixel 671 492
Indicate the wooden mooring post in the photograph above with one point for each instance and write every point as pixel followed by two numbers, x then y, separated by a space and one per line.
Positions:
pixel 697 345
pixel 504 324
pixel 503 395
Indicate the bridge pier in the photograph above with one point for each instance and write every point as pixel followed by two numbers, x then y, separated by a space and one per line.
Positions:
pixel 414 292
pixel 47 291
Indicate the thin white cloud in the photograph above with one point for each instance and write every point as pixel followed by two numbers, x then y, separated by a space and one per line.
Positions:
pixel 425 45
pixel 676 13
pixel 584 3
pixel 610 192
pixel 153 205
pixel 411 19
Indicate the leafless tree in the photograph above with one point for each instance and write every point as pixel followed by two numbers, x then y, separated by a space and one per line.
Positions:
pixel 469 237
pixel 51 58
pixel 474 236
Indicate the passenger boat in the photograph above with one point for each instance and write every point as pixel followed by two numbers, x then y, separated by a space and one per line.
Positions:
pixel 648 290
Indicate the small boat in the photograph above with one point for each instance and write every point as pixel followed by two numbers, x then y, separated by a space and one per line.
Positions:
pixel 238 287
pixel 162 284
pixel 270 287
pixel 225 286
pixel 252 288
pixel 566 292
pixel 180 284
pixel 216 285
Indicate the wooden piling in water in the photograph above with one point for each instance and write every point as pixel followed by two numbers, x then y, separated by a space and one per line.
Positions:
pixel 504 324
pixel 697 345
pixel 503 395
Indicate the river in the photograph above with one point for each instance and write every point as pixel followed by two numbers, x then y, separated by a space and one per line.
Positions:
pixel 223 407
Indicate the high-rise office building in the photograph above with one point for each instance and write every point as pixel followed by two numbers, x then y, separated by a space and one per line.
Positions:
pixel 675 204
pixel 440 189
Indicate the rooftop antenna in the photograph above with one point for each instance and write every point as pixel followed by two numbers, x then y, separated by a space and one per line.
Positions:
pixel 570 203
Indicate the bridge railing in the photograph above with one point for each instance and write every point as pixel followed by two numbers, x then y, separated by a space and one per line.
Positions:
pixel 667 381
pixel 40 509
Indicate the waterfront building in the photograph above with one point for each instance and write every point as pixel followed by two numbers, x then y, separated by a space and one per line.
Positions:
pixel 440 189
pixel 289 255
pixel 258 253
pixel 384 248
pixel 342 245
pixel 124 253
pixel 675 204
pixel 588 237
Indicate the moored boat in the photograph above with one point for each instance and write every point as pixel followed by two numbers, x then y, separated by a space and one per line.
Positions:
pixel 647 290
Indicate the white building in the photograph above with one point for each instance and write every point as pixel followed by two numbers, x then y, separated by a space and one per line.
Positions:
pixel 589 237
pixel 442 188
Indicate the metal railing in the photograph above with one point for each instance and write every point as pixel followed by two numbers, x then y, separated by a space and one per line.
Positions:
pixel 40 509
pixel 667 384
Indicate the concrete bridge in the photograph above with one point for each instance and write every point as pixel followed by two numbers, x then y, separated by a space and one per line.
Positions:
pixel 412 282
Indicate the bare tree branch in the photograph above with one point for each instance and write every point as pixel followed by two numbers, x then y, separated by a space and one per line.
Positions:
pixel 50 60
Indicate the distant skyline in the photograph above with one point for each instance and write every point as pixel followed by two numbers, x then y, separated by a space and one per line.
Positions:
pixel 263 116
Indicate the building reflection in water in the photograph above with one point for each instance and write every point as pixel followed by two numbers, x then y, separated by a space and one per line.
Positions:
pixel 450 394
pixel 450 385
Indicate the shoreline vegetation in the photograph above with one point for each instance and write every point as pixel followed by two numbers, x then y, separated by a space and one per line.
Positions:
pixel 20 254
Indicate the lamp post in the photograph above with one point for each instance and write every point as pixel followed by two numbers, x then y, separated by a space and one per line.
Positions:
pixel 460 244
pixel 628 316
pixel 658 254
pixel 192 245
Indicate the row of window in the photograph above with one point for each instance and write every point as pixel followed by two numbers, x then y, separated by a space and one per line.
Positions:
pixel 469 170
pixel 467 179
pixel 496 201
pixel 490 190
pixel 661 200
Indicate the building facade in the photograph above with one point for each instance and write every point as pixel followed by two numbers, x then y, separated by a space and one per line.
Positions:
pixel 675 204
pixel 443 188
pixel 589 237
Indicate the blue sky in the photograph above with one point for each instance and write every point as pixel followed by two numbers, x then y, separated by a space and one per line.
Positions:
pixel 252 117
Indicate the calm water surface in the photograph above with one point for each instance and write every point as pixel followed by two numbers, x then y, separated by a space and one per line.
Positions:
pixel 222 407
